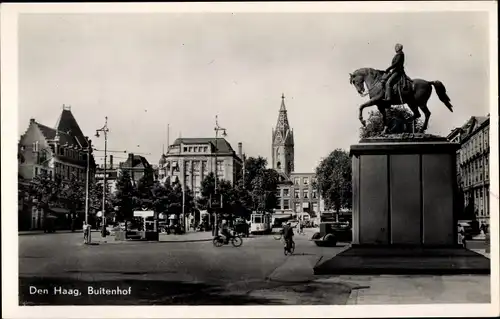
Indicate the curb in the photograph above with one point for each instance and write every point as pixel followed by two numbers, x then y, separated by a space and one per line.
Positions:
pixel 94 243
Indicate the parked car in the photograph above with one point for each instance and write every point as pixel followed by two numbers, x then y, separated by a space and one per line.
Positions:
pixel 332 232
pixel 470 229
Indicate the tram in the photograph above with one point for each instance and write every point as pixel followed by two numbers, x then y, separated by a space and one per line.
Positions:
pixel 260 223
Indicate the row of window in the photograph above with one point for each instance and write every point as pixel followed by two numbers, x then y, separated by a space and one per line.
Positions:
pixel 297 206
pixel 78 154
pixel 305 180
pixel 476 172
pixel 297 193
pixel 481 201
pixel 192 166
pixel 195 149
pixel 63 171
pixel 475 145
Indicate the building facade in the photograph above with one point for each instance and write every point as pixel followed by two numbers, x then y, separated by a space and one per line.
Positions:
pixel 296 191
pixel 58 152
pixel 473 165
pixel 136 166
pixel 190 160
pixel 111 175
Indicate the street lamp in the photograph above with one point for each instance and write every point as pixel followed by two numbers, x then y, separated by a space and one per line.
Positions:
pixel 217 129
pixel 105 131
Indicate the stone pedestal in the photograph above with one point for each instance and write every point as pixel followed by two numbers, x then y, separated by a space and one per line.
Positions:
pixel 403 191
pixel 403 217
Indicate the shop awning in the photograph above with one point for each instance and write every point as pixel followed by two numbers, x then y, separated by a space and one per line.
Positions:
pixel 59 210
pixel 282 216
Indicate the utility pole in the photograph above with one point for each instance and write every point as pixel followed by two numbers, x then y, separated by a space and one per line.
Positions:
pixel 217 129
pixel 105 131
pixel 88 229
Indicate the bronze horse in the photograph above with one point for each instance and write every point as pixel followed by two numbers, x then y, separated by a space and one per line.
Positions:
pixel 416 97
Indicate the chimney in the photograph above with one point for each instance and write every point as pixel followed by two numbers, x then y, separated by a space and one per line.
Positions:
pixel 32 121
pixel 131 159
pixel 240 150
pixel 110 161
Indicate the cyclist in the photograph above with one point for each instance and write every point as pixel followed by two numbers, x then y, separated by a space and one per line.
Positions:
pixel 288 235
pixel 225 231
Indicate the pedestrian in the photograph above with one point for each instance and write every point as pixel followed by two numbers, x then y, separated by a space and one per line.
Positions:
pixel 461 235
pixel 85 233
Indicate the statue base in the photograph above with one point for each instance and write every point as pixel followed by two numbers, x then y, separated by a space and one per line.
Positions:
pixel 404 188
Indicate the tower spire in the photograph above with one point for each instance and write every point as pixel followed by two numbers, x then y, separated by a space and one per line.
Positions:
pixel 282 124
pixel 283 146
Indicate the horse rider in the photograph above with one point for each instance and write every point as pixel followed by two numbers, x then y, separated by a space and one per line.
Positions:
pixel 396 70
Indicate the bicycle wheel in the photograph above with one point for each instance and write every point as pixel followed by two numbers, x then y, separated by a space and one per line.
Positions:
pixel 292 248
pixel 236 241
pixel 217 241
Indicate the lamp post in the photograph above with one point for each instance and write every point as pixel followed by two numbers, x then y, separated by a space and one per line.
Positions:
pixel 217 129
pixel 105 131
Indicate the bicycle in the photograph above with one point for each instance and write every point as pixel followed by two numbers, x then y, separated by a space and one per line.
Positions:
pixel 236 241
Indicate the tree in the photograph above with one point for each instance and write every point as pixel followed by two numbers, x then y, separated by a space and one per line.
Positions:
pixel 45 190
pixel 264 190
pixel 160 195
pixel 261 184
pixel 375 126
pixel 143 196
pixel 253 167
pixel 73 195
pixel 335 181
pixel 124 197
pixel 208 192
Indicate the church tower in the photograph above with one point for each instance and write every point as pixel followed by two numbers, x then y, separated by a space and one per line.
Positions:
pixel 283 147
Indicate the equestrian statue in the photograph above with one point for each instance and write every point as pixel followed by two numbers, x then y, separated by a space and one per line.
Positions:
pixel 393 87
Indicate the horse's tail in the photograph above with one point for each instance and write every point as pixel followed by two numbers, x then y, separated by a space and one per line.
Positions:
pixel 441 93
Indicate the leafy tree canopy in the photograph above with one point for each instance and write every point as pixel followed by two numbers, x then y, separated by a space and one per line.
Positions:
pixel 334 180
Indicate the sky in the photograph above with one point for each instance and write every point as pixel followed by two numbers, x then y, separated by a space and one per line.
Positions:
pixel 147 71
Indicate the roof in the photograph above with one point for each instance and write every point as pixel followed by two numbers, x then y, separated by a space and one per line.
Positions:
pixel 67 124
pixel 469 128
pixel 135 161
pixel 64 138
pixel 68 132
pixel 223 145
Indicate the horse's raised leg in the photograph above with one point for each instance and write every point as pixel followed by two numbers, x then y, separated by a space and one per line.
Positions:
pixel 362 107
pixel 427 115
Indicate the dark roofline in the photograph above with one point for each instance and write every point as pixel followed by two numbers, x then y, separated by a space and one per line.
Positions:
pixel 476 129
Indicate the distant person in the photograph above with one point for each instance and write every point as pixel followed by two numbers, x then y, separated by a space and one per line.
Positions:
pixel 86 228
pixel 287 234
pixel 461 235
pixel 225 231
